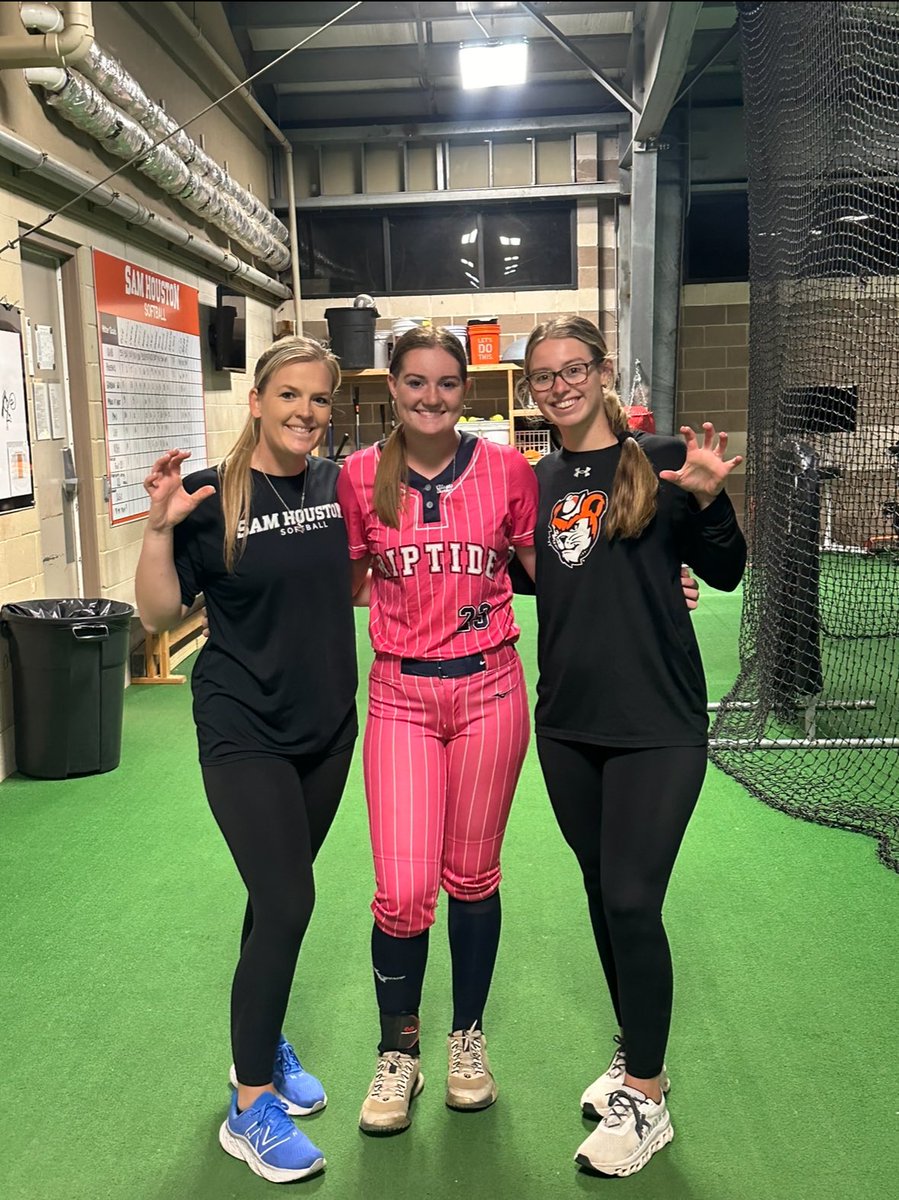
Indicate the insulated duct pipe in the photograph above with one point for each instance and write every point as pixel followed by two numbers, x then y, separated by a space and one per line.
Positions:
pixel 106 73
pixel 206 188
pixel 80 102
pixel 184 23
pixel 30 158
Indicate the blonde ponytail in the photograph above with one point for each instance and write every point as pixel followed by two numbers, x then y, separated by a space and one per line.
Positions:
pixel 634 491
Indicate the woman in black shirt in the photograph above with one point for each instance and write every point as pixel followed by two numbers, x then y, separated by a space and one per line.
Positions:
pixel 262 538
pixel 621 720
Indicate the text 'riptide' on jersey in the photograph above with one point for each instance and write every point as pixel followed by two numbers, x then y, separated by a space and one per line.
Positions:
pixel 438 558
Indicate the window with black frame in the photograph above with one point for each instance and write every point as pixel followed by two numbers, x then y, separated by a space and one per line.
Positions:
pixel 717 238
pixel 342 254
pixel 433 250
pixel 438 248
pixel 529 248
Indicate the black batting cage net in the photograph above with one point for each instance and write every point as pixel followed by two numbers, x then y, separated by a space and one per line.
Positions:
pixel 812 724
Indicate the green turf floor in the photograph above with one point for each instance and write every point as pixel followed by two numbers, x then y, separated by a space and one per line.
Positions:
pixel 120 919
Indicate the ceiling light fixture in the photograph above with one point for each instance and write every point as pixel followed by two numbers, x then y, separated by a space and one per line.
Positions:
pixel 495 63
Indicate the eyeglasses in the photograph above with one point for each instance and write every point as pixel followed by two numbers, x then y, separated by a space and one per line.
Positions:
pixel 542 381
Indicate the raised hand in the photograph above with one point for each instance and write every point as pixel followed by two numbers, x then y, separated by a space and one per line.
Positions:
pixel 169 502
pixel 705 468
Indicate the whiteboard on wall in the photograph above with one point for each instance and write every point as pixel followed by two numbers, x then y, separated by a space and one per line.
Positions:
pixel 16 482
pixel 152 376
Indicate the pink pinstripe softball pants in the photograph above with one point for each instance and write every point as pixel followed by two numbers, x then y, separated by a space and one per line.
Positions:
pixel 441 759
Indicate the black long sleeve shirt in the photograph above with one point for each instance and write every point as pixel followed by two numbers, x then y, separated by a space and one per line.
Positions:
pixel 618 657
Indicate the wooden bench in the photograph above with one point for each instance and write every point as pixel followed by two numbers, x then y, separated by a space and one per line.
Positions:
pixel 163 651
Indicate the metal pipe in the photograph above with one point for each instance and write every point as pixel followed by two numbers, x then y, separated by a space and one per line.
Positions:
pixel 29 158
pixel 66 48
pixel 805 744
pixel 294 239
pixel 749 705
pixel 185 23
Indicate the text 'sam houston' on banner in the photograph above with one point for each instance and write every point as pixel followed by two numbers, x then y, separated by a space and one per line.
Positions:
pixel 149 329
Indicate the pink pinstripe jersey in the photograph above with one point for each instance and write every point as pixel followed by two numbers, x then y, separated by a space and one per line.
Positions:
pixel 440 589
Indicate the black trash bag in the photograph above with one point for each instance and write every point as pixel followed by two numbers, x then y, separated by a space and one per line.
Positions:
pixel 66 610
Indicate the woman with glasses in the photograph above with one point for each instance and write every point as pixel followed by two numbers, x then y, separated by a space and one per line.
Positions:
pixel 621 722
pixel 435 513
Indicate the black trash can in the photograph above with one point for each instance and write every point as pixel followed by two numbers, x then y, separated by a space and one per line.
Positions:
pixel 351 332
pixel 68 681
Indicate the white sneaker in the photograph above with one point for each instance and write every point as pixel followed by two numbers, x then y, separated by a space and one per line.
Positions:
pixel 595 1100
pixel 397 1081
pixel 469 1084
pixel 630 1133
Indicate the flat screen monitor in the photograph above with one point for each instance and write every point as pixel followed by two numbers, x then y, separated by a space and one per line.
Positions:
pixel 228 331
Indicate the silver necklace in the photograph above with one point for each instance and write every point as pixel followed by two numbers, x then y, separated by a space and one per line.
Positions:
pixel 285 506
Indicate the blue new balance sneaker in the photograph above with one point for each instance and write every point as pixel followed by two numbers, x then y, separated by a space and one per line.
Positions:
pixel 269 1142
pixel 301 1092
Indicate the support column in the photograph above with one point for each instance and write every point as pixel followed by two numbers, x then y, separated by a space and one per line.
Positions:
pixel 644 174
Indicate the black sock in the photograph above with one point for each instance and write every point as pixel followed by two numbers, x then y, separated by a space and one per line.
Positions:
pixel 474 929
pixel 399 1031
pixel 399 970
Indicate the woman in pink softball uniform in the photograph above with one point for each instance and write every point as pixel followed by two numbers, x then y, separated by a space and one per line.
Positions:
pixel 434 514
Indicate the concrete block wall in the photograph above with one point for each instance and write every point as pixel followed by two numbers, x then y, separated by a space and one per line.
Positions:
pixel 713 367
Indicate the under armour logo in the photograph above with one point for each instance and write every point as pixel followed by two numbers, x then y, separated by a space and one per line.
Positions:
pixel 585 471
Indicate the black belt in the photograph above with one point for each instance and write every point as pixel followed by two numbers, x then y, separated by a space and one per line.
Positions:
pixel 447 668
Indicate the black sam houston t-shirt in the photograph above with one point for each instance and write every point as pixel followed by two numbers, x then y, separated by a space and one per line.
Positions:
pixel 277 675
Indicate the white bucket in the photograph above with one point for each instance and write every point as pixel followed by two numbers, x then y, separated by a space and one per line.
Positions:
pixel 382 349
pixel 404 324
pixel 460 332
pixel 491 431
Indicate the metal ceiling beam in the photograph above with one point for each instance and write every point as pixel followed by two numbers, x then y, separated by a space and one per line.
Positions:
pixel 727 38
pixel 330 64
pixel 301 15
pixel 668 37
pixel 554 191
pixel 442 131
pixel 424 77
pixel 410 105
pixel 602 79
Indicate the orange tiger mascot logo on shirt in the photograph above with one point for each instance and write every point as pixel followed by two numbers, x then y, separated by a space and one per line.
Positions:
pixel 574 525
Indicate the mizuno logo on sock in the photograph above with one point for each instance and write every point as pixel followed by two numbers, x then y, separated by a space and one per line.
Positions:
pixel 387 978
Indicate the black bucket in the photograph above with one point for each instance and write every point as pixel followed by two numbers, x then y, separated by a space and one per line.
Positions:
pixel 352 335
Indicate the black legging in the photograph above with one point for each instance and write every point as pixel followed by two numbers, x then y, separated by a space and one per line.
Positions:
pixel 274 813
pixel 624 813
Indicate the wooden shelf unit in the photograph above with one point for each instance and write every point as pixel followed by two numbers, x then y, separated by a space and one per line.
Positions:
pixel 505 371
